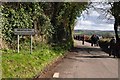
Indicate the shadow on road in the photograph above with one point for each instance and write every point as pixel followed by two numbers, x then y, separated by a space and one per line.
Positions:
pixel 76 49
pixel 77 58
pixel 90 52
pixel 101 56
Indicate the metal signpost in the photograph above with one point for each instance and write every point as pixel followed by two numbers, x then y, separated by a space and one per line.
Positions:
pixel 21 31
pixel 18 42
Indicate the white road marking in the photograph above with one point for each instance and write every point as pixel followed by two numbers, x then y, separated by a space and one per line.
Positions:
pixel 56 75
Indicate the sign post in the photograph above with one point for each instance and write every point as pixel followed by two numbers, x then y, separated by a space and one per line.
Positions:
pixel 31 45
pixel 20 31
pixel 18 42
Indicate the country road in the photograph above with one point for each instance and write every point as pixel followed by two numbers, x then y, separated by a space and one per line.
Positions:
pixel 85 62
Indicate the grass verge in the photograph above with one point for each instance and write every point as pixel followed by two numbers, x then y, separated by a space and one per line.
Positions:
pixel 26 65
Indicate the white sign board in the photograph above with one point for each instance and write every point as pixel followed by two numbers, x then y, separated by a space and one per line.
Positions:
pixel 20 31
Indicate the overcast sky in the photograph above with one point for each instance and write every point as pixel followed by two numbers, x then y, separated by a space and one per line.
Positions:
pixel 94 21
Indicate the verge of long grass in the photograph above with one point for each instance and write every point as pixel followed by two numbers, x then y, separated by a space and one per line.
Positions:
pixel 26 65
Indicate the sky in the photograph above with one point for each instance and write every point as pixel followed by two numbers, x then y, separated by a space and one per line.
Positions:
pixel 95 20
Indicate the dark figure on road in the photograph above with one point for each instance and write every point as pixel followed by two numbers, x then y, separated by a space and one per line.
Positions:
pixel 83 39
pixel 118 48
pixel 97 40
pixel 94 40
pixel 112 47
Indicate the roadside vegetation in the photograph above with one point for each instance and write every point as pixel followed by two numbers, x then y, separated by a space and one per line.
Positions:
pixel 53 24
pixel 26 65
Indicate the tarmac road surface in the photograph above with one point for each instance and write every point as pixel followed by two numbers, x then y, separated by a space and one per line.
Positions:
pixel 86 62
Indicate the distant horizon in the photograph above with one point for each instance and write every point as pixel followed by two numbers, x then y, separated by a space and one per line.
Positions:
pixel 93 30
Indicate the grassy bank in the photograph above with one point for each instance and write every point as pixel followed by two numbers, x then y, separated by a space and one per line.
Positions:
pixel 26 65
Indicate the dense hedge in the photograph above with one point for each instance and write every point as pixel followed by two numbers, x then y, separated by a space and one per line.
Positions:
pixel 53 22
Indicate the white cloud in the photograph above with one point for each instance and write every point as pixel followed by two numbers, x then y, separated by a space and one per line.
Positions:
pixel 89 27
pixel 92 21
pixel 93 26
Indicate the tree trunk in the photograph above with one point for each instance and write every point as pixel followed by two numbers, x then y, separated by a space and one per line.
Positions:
pixel 70 30
pixel 116 24
pixel 53 21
